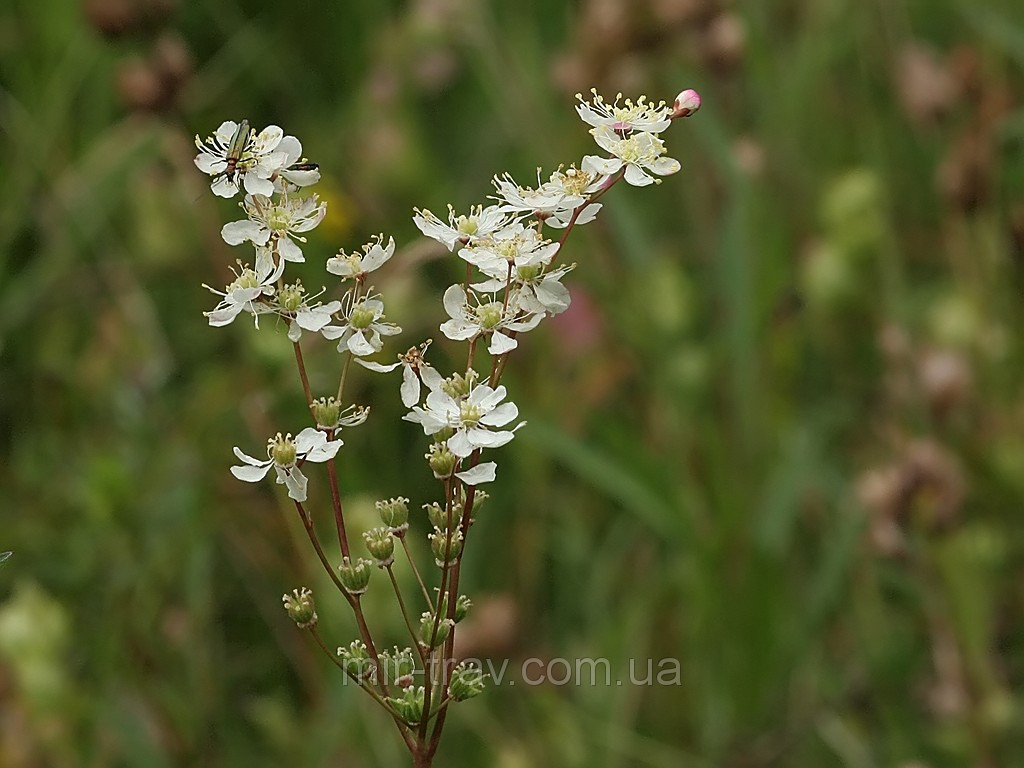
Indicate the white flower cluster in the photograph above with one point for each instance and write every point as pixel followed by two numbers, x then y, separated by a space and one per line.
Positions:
pixel 278 213
pixel 513 275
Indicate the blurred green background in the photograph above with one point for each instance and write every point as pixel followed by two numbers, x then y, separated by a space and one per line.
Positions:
pixel 779 437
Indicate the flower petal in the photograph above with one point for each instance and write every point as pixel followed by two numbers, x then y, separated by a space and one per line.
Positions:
pixel 481 473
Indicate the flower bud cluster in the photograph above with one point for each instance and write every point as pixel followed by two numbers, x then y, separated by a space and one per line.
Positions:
pixel 354 576
pixel 300 608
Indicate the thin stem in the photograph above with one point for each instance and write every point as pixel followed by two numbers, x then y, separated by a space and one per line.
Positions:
pixel 339 512
pixel 311 533
pixel 344 375
pixel 405 615
pixel 402 728
pixel 302 373
pixel 353 601
pixel 416 571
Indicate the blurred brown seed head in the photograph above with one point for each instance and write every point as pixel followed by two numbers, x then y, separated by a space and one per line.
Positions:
pixel 435 69
pixel 933 484
pixel 139 85
pixel 927 89
pixel 749 156
pixel 172 59
pixel 965 175
pixel 894 343
pixel 878 490
pixel 945 378
pixel 681 11
pixel 610 22
pixel 1016 223
pixel 157 10
pixel 966 70
pixel 725 42
pixel 925 487
pixel 113 18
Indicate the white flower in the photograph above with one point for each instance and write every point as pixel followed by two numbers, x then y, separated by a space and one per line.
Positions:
pixel 243 292
pixel 357 265
pixel 255 159
pixel 643 116
pixel 516 245
pixel 472 418
pixel 294 168
pixel 536 289
pixel 293 304
pixel 283 455
pixel 639 153
pixel 414 370
pixel 491 317
pixel 479 223
pixel 276 222
pixel 362 326
pixel 542 202
pixel 578 185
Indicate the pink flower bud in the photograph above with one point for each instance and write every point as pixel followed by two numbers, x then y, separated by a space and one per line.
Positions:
pixel 687 102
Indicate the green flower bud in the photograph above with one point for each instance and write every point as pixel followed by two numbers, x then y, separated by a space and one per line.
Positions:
pixel 281 450
pixel 462 606
pixel 438 517
pixel 467 681
pixel 445 545
pixel 300 608
pixel 427 628
pixel 355 577
pixel 394 513
pixel 441 460
pixel 326 412
pixel 408 706
pixel 356 660
pixel 381 545
pixel 398 666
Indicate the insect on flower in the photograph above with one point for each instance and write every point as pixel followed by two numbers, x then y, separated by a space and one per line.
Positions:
pixel 234 153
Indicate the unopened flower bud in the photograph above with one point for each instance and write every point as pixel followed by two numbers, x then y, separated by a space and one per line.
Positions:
pixel 446 546
pixel 381 545
pixel 398 666
pixel 394 513
pixel 467 681
pixel 437 516
pixel 355 577
pixel 687 102
pixel 300 608
pixel 462 606
pixel 479 498
pixel 408 706
pixel 444 626
pixel 326 412
pixel 441 460
pixel 356 660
